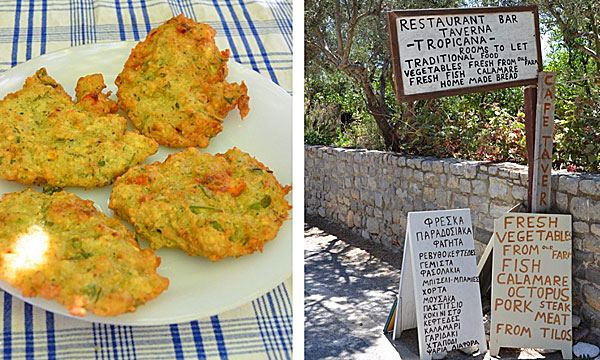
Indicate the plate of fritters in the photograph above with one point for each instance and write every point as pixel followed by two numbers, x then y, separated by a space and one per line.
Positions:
pixel 246 155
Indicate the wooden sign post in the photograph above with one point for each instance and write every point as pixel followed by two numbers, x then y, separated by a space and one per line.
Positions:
pixel 439 286
pixel 544 135
pixel 531 283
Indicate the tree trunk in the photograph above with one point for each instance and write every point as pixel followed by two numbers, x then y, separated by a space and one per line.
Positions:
pixel 381 114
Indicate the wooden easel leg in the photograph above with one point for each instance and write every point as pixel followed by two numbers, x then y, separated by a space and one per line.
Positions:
pixel 494 350
pixel 567 353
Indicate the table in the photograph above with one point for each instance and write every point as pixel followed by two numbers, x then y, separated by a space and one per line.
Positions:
pixel 259 34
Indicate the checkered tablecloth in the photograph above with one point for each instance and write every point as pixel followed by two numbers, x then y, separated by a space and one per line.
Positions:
pixel 259 34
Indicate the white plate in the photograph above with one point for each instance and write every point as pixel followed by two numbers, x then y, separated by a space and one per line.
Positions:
pixel 198 287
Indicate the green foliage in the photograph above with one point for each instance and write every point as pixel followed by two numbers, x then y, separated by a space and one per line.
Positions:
pixel 481 126
pixel 577 139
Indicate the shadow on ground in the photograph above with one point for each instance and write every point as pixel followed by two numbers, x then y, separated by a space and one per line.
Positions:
pixel 350 285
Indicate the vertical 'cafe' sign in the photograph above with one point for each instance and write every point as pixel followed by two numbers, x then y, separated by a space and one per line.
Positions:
pixel 544 133
pixel 444 52
pixel 531 286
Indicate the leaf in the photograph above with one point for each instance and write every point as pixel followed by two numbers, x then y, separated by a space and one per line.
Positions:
pixel 204 191
pixel 76 243
pixel 263 203
pixel 217 226
pixel 49 189
pixel 197 209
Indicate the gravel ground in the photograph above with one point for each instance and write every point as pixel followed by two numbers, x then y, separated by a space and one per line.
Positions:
pixel 350 285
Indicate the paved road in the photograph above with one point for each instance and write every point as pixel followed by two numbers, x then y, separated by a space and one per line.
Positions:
pixel 350 285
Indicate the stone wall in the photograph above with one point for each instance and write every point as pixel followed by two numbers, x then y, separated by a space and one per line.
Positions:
pixel 371 192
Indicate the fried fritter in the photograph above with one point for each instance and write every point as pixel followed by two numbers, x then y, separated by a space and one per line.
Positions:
pixel 209 205
pixel 45 137
pixel 173 85
pixel 61 248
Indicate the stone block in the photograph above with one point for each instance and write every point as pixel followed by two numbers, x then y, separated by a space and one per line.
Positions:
pixel 493 170
pixel 431 179
pixel 480 187
pixel 568 184
pixel 519 192
pixel 590 187
pixel 452 182
pixel 437 167
pixel 429 194
pixel 592 274
pixel 426 165
pixel 365 234
pixel 498 189
pixel 378 200
pixel 498 208
pixel 595 229
pixel 479 203
pixel 464 185
pixel 457 169
pixel 418 175
pixel 459 201
pixel 487 222
pixel 415 189
pixel 585 209
pixel 586 256
pixel 592 296
pixel 414 162
pixel 525 179
pixel 372 225
pixel 562 202
pixel 442 197
pixel 471 169
pixel 581 227
pixel 400 161
pixel 401 193
pixel 357 220
pixel 372 183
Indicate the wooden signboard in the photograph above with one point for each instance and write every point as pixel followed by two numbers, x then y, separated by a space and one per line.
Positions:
pixel 544 135
pixel 442 52
pixel 439 286
pixel 531 288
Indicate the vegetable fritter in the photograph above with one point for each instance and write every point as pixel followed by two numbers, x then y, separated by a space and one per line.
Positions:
pixel 209 205
pixel 173 85
pixel 61 248
pixel 45 137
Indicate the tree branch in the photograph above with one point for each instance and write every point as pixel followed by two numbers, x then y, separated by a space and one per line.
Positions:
pixel 338 28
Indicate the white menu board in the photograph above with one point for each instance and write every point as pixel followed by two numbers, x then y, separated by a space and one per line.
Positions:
pixel 439 286
pixel 531 283
pixel 439 51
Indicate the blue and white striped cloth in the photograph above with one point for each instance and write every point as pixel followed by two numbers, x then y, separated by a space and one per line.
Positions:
pixel 259 34
pixel 261 329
